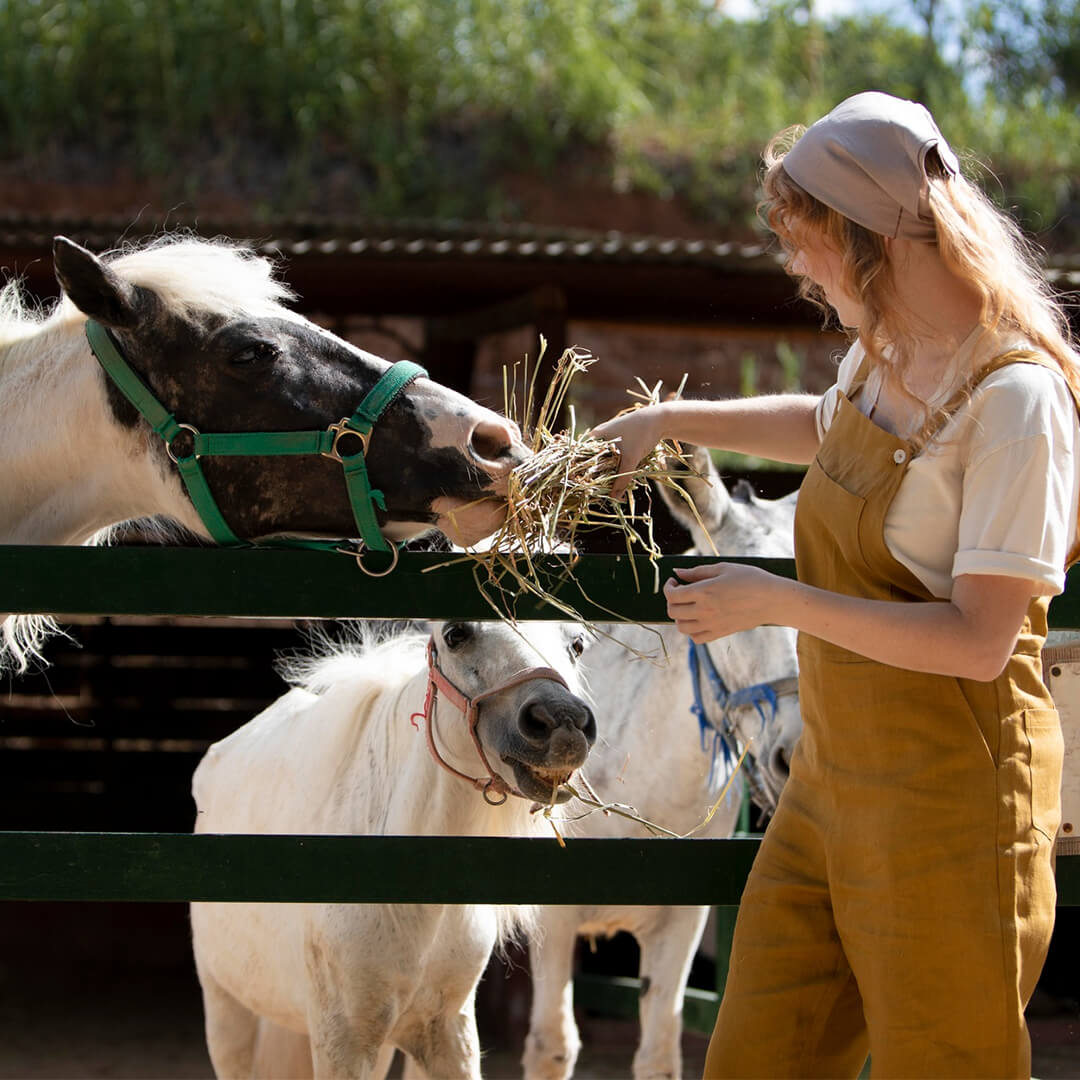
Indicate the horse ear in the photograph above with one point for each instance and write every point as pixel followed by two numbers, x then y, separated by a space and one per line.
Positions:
pixel 703 488
pixel 95 289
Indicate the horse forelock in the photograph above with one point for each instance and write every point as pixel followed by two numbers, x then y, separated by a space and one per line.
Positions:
pixel 191 274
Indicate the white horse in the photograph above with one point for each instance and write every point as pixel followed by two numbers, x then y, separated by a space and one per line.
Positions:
pixel 339 755
pixel 652 756
pixel 204 326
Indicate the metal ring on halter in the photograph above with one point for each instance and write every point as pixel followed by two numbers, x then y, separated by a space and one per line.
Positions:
pixel 169 445
pixel 486 792
pixel 340 430
pixel 359 557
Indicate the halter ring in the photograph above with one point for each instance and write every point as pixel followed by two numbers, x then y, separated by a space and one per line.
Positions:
pixel 359 557
pixel 169 445
pixel 486 792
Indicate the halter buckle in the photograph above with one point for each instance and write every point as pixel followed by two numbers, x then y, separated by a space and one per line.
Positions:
pixel 341 429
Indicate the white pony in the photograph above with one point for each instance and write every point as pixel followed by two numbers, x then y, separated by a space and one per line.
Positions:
pixel 652 756
pixel 339 755
pixel 204 325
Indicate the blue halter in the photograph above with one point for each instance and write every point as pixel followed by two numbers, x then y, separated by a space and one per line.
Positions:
pixel 724 738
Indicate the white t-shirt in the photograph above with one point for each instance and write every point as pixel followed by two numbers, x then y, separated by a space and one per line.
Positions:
pixel 998 488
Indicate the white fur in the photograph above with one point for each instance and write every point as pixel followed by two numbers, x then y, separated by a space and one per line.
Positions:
pixel 339 755
pixel 648 754
pixel 70 471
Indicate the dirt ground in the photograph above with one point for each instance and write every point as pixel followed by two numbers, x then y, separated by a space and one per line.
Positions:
pixel 109 991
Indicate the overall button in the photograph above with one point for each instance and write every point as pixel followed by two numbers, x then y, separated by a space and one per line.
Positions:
pixel 900 456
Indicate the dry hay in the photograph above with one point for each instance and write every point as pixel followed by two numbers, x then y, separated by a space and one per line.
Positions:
pixel 563 490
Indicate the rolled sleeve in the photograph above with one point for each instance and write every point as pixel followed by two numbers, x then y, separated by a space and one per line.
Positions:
pixel 1016 520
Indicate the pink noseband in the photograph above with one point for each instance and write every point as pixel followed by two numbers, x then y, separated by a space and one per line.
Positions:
pixel 470 709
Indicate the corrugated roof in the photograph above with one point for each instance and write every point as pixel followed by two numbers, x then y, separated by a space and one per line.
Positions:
pixel 402 239
pixel 308 235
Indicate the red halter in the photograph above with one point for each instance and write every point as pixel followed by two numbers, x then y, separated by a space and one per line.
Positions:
pixel 470 709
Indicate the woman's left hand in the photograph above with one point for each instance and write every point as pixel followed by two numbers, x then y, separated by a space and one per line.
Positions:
pixel 713 601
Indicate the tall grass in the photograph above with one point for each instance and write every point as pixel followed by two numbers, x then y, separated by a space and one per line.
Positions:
pixel 422 104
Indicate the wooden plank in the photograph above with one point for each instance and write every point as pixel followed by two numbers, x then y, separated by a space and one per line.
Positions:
pixel 154 720
pixel 309 584
pixel 385 869
pixel 370 869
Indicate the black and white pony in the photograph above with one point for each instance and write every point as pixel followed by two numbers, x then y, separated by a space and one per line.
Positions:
pixel 669 742
pixel 233 416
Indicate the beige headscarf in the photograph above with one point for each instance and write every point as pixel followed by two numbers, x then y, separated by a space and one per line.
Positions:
pixel 867 160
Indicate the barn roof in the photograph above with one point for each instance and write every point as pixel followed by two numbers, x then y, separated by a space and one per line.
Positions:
pixel 434 268
pixel 418 267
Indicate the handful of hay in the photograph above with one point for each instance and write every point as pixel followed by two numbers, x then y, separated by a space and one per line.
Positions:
pixel 564 489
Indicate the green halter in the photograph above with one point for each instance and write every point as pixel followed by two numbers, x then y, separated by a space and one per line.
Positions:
pixel 362 496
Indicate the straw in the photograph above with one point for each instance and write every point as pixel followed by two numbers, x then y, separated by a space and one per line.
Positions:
pixel 564 489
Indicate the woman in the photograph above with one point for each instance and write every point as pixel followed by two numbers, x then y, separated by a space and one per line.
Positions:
pixel 903 898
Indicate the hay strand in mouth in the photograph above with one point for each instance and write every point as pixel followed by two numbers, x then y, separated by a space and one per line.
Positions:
pixel 564 490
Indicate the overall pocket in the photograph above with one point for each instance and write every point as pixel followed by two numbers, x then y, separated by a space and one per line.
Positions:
pixel 1046 746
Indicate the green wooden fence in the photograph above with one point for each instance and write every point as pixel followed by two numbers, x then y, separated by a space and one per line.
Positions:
pixel 368 869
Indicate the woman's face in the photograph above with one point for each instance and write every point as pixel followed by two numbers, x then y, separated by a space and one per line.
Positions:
pixel 824 266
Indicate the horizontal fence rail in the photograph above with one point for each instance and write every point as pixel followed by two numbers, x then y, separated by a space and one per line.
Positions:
pixel 385 869
pixel 366 869
pixel 322 585
pixel 370 869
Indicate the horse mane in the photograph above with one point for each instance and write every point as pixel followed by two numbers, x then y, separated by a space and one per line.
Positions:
pixel 21 317
pixel 190 275
pixel 387 653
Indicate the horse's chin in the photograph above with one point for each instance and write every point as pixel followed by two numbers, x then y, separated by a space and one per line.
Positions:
pixel 467 523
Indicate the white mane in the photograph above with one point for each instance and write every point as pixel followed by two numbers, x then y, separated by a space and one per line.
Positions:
pixel 190 274
pixel 389 658
pixel 38 342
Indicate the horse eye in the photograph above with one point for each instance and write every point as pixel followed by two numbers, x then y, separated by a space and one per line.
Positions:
pixel 258 352
pixel 577 646
pixel 455 635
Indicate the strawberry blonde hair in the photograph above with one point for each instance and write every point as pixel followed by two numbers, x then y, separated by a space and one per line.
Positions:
pixel 978 242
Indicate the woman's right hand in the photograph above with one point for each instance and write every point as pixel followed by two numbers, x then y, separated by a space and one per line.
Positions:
pixel 636 434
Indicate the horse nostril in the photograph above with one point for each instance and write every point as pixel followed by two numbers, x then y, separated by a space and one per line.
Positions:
pixel 537 722
pixel 497 442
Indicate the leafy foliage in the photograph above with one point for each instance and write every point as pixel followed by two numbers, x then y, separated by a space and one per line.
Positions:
pixel 421 108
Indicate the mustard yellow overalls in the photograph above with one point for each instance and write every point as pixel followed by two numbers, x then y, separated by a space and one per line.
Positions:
pixel 903 897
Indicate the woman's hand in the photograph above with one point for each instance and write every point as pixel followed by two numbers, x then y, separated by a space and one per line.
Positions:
pixel 720 599
pixel 636 434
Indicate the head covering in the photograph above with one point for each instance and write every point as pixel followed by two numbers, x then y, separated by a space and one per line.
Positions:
pixel 867 160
